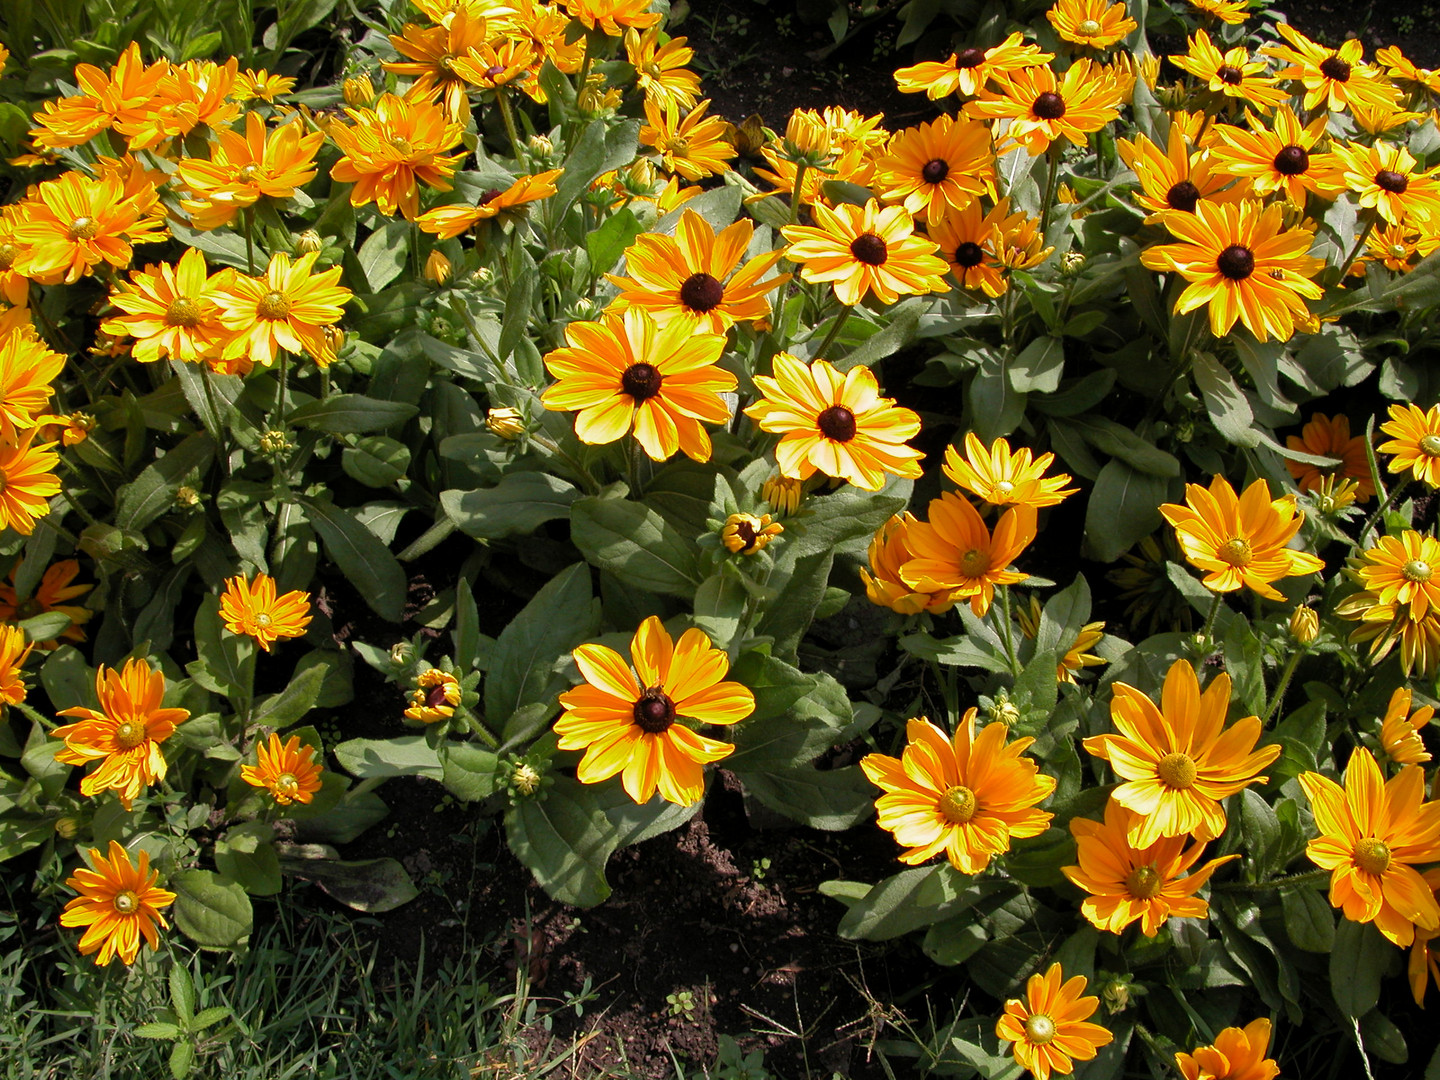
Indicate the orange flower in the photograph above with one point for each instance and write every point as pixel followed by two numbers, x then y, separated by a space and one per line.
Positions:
pixel 50 595
pixel 27 368
pixel 1330 438
pixel 289 308
pixel 1041 109
pixel 632 727
pixel 287 771
pixel 246 168
pixel 119 902
pixel 27 481
pixel 430 54
pixel 660 69
pixel 73 223
pixel 1175 762
pixel 746 534
pixel 1372 831
pixel 1048 1028
pixel 865 250
pixel 1424 965
pixel 692 147
pixel 13 654
pixel 1415 441
pixel 1281 158
pixel 448 222
pixel 1401 570
pixel 1096 23
pixel 1175 179
pixel 1129 884
pixel 1003 477
pixel 610 16
pixel 939 166
pixel 1400 730
pixel 956 551
pixel 968 70
pixel 1236 1054
pixel 125 735
pixel 970 242
pixel 123 94
pixel 252 608
pixel 1231 74
pixel 1338 77
pixel 888 552
pixel 393 148
pixel 170 311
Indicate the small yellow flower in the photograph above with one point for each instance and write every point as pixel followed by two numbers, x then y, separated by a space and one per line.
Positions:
pixel 287 771
pixel 1414 442
pixel 436 697
pixel 746 534
pixel 505 422
pixel 437 268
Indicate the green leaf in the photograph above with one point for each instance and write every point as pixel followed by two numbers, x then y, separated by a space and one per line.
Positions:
pixel 209 910
pixel 161 1030
pixel 226 657
pixel 599 149
pixel 1123 508
pixel 954 941
pixel 1356 966
pixel 376 461
pixel 182 1060
pixel 903 320
pixel 607 243
pixel 39 761
pixel 67 679
pixel 151 493
pixel 182 993
pixel 520 503
pixel 246 856
pixel 830 522
pixel 209 1017
pixel 913 899
pixel 46 626
pixel 384 253
pixel 831 800
pixel 469 771
pixel 298 698
pixel 1226 403
pixel 1309 920
pixel 565 839
pixel 635 544
pixel 1036 862
pixel 719 606
pixel 369 885
pixel 362 558
pixel 516 319
pixel 344 820
pixel 1120 442
pixel 351 414
pixel 787 617
pixel 404 755
pixel 1039 366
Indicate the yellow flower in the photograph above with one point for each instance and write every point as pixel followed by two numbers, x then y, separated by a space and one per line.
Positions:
pixel 1075 658
pixel 448 222
pixel 243 169
pixel 119 902
pixel 864 250
pixel 438 268
pixel 1231 12
pixel 188 96
pixel 1279 158
pixel 1237 1053
pixel 72 224
pixel 261 85
pixel 170 311
pixel 782 493
pixel 393 148
pixel 835 423
pixel 1386 625
pixel 1401 570
pixel 937 167
pixel 966 796
pixel 13 654
pixel 1337 77
pixel 124 735
pixel 1304 625
pixel 27 368
pixel 660 69
pixel 1231 74
pixel 1049 1029
pixel 1176 179
pixel 1400 729
pixel 124 93
pixel 27 482
pixel 429 55
pixel 631 726
pixel 289 308
pixel 507 423
pixel 608 16
pixel 969 241
pixel 1414 441
pixel 693 147
pixel 1385 177
pixel 968 70
pixel 1041 109
pixel 746 534
pixel 957 552
pixel 1003 477
pixel 286 770
pixel 1096 23
pixel 253 609
pixel 436 697
pixel 888 552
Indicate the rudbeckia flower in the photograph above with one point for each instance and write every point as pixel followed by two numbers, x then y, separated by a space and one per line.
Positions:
pixel 70 225
pixel 1386 177
pixel 1097 23
pixel 436 696
pixel 13 654
pixel 253 609
pixel 1041 109
pixel 864 250
pixel 887 553
pixel 692 147
pixel 1372 832
pixel 1278 158
pixel 430 53
pixel 1049 1029
pixel 27 368
pixel 1330 438
pixel 1400 729
pixel 1236 1054
pixel 955 550
pixel 660 69
pixel 1414 441
pixel 1005 477
pixel 286 770
pixel 1175 179
pixel 119 903
pixel 1387 625
pixel 51 594
pixel 170 311
pixel 243 169
pixel 27 481
pixel 746 534
pixel 1402 570
pixel 1231 74
pixel 448 222
pixel 968 70
pixel 1336 77
pixel 289 308
pixel 611 16
pixel 628 722
pixel 969 242
pixel 937 167
pixel 393 148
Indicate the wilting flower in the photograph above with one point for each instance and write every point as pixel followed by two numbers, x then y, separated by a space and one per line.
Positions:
pixel 1128 884
pixel 1242 261
pixel 393 148
pixel 1041 109
pixel 835 423
pixel 968 70
pixel 1372 831
pixel 1386 178
pixel 1176 179
pixel 865 250
pixel 609 16
pixel 1337 77
pixel 1415 441
pixel 27 368
pixel 253 609
pixel 1175 762
pixel 50 595
pixel 966 795
pixel 1076 657
pixel 288 771
pixel 1003 477
pixel 692 277
pixel 448 222
pixel 1231 73
pixel 887 553
pixel 13 654
pixel 1400 729
pixel 243 169
pixel 955 550
pixel 1330 438
pixel 692 147
pixel 1386 625
pixel 118 902
pixel 1097 23
pixel 632 727
pixel 1236 1054
pixel 1424 965
pixel 27 481
pixel 1278 158
pixel 171 311
pixel 746 534
pixel 436 696
pixel 1240 542
pixel 289 308
pixel 939 166
pixel 71 224
pixel 124 735
pixel 625 373
pixel 1049 1029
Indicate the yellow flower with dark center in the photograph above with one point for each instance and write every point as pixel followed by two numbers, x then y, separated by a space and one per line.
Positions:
pixel 289 308
pixel 27 482
pixel 448 222
pixel 170 311
pixel 1175 179
pixel 631 725
pixel 1404 570
pixel 70 225
pixel 288 771
pixel 393 148
pixel 1279 158
pixel 1237 1053
pixel 937 167
pixel 864 250
pixel 1403 70
pixel 1242 261
pixel 746 534
pixel 660 71
pixel 13 654
pixel 1129 884
pixel 1386 625
pixel 1372 832
pixel 243 169
pixel 1336 77
pixel 124 736
pixel 625 372
pixel 1400 729
pixel 1004 477
pixel 955 550
pixel 692 277
pixel 1049 1029
pixel 119 903
pixel 1230 12
pixel 692 147
pixel 969 240
pixel 887 553
pixel 436 696
pixel 1231 74
pixel 1385 177
pixel 835 423
pixel 1330 438
pixel 967 796
pixel 430 55
pixel 1096 23
pixel 1414 441
pixel 611 16
pixel 1240 542
pixel 261 86
pixel 1175 762
pixel 253 609
pixel 1041 109
pixel 27 368
pixel 51 594
pixel 968 70
pixel 497 63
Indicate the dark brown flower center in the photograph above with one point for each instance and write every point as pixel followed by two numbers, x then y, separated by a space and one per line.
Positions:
pixel 837 422
pixel 934 171
pixel 969 254
pixel 654 712
pixel 869 249
pixel 969 58
pixel 273 305
pixel 1230 74
pixel 1332 67
pixel 746 532
pixel 1183 196
pixel 494 71
pixel 435 697
pixel 1236 262
pixel 1292 161
pixel 182 312
pixel 1049 106
pixel 641 381
pixel 489 197
pixel 701 293
pixel 1392 181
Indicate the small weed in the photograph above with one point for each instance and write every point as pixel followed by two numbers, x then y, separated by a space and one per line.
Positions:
pixel 681 1004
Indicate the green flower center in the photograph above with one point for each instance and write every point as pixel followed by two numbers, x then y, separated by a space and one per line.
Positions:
pixel 83 228
pixel 958 805
pixel 129 734
pixel 1088 28
pixel 126 903
pixel 1177 770
pixel 263 619
pixel 1417 570
pixel 1372 855
pixel 1236 552
pixel 182 312
pixel 1143 883
pixel 1039 1029
pixel 273 305
pixel 1430 445
pixel 974 562
pixel 286 785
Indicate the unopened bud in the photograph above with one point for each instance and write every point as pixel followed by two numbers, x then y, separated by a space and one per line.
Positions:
pixel 438 268
pixel 507 423
pixel 66 827
pixel 541 146
pixel 187 496
pixel 309 242
pixel 358 91
pixel 1072 262
pixel 1003 711
pixel 1304 625
pixel 525 780
pixel 275 442
pixel 402 654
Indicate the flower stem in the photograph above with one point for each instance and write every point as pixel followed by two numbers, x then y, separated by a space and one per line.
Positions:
pixel 1284 683
pixel 1303 878
pixel 248 216
pixel 508 117
pixel 796 192
pixel 1359 243
pixel 221 431
pixel 1374 519
pixel 1207 642
pixel 833 333
pixel 1008 631
pixel 1051 182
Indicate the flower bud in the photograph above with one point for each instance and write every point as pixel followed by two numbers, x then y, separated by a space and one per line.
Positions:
pixel 525 780
pixel 275 442
pixel 66 827
pixel 1072 262
pixel 438 268
pixel 1304 625
pixel 746 534
pixel 507 423
pixel 541 146
pixel 402 654
pixel 1003 711
pixel 187 497
pixel 309 242
pixel 783 494
pixel 358 91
